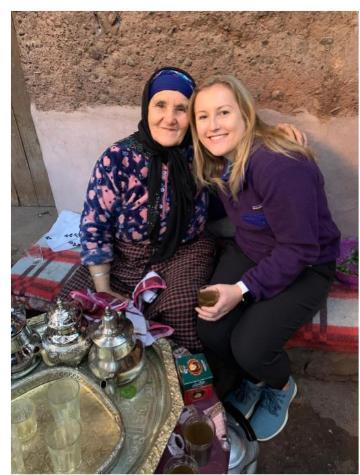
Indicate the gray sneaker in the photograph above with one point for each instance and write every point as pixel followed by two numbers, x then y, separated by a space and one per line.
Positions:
pixel 245 397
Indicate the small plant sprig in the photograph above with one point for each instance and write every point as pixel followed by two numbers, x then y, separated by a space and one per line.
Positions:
pixel 350 264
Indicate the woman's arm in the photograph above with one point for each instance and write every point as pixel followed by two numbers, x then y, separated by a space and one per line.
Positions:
pixel 98 221
pixel 101 278
pixel 289 194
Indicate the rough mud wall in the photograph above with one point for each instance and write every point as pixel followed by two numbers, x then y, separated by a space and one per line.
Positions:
pixel 289 60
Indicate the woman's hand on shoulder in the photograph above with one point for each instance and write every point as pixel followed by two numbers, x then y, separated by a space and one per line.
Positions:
pixel 229 297
pixel 293 133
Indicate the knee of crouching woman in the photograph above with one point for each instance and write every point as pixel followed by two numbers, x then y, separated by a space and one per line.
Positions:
pixel 247 353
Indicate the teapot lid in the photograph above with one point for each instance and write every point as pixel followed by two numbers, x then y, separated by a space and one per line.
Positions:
pixel 62 315
pixel 114 330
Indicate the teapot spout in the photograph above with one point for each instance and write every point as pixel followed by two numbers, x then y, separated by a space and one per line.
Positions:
pixel 108 386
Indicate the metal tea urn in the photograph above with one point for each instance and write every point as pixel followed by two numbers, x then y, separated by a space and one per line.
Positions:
pixel 25 345
pixel 63 342
pixel 116 353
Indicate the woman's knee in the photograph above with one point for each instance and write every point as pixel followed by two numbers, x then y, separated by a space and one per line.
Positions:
pixel 174 302
pixel 248 354
pixel 181 318
pixel 211 338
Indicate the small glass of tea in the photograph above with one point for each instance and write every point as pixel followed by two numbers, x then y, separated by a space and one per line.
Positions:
pixel 181 464
pixel 23 418
pixel 207 297
pixel 199 433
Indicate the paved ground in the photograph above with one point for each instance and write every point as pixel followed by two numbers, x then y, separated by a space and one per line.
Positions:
pixel 27 225
pixel 322 432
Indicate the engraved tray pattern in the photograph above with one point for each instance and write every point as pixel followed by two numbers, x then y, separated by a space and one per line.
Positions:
pixel 102 429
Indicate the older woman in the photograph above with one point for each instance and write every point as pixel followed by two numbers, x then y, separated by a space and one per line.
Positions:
pixel 274 276
pixel 142 211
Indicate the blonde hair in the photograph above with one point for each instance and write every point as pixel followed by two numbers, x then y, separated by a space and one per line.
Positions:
pixel 209 168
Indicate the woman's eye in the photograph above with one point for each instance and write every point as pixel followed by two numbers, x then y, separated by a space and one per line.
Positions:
pixel 224 112
pixel 201 117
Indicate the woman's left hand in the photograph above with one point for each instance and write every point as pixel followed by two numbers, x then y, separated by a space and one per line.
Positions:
pixel 294 134
pixel 230 297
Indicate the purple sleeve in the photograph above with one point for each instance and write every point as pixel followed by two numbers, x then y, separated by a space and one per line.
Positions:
pixel 97 220
pixel 291 210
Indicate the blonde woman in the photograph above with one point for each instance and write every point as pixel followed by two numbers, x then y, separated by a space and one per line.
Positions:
pixel 276 272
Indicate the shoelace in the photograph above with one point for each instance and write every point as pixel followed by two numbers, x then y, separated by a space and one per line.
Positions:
pixel 272 400
pixel 244 392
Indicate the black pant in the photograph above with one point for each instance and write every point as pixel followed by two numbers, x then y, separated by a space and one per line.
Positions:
pixel 250 338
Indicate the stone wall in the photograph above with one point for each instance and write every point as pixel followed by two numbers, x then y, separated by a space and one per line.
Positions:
pixel 290 60
pixel 85 72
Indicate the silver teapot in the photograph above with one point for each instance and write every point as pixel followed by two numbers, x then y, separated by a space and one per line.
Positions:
pixel 116 354
pixel 25 344
pixel 64 341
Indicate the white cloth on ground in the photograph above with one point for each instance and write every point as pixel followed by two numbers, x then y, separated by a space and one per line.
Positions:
pixel 65 232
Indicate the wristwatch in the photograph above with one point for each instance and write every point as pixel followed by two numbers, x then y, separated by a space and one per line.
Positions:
pixel 248 297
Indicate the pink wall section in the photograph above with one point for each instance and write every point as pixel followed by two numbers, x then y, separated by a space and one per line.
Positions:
pixel 72 141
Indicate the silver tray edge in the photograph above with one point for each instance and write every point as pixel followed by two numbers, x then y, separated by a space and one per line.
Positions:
pixel 163 348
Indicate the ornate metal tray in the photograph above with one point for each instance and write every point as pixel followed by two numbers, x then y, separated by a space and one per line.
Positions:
pixel 151 415
pixel 102 434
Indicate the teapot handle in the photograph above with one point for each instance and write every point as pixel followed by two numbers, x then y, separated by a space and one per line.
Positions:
pixel 241 420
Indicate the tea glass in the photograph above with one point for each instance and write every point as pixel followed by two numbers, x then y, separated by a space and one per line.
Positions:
pixel 63 443
pixel 17 460
pixel 64 399
pixel 23 418
pixel 207 297
pixel 199 434
pixel 181 464
pixel 34 252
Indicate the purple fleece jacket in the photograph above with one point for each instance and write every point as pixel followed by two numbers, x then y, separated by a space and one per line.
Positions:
pixel 282 220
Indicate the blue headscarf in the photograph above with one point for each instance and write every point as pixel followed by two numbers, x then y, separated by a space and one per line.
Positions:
pixel 171 80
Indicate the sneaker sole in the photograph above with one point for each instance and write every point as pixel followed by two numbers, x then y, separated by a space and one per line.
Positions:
pixel 284 423
pixel 250 411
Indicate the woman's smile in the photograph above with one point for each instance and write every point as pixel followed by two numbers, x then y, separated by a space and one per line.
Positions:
pixel 217 138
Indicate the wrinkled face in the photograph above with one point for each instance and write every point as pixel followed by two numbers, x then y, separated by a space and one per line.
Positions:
pixel 219 122
pixel 168 117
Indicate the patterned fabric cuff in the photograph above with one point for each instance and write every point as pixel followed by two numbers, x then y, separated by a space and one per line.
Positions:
pixel 96 258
